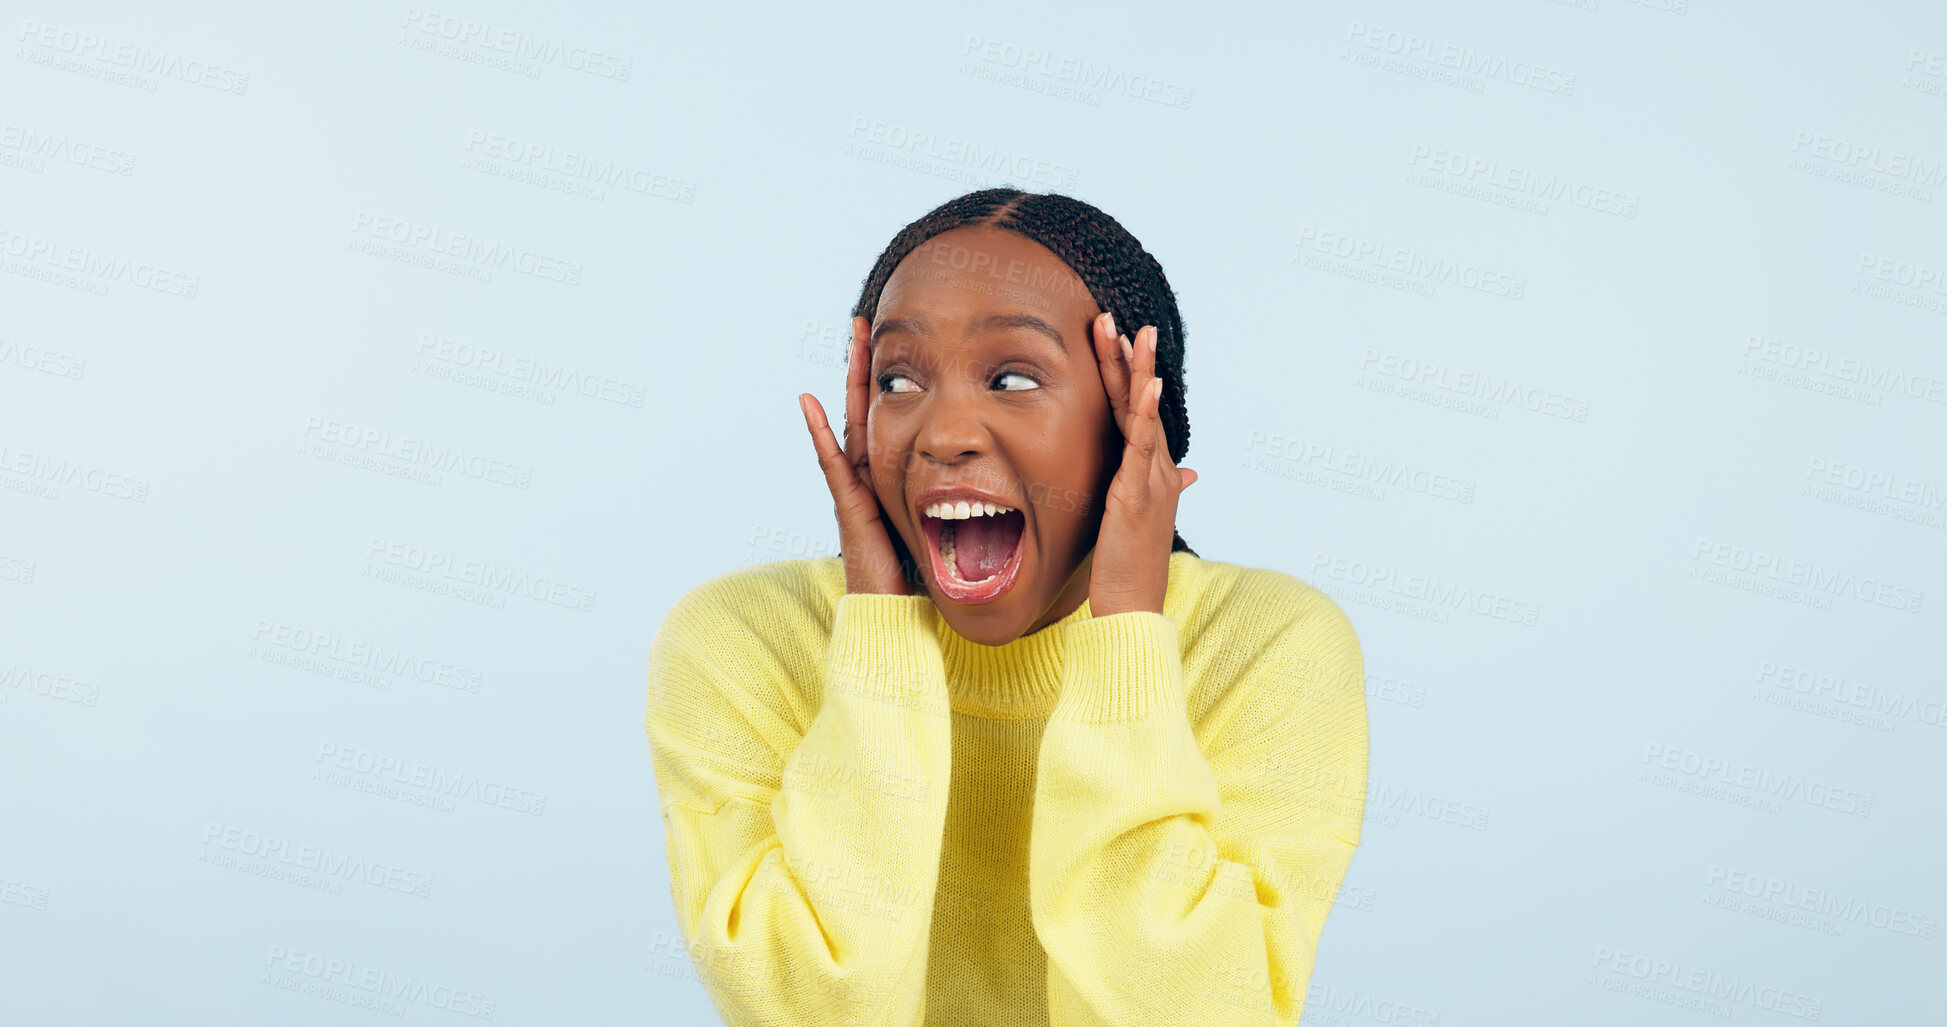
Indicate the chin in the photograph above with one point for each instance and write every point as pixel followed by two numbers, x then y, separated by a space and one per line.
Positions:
pixel 985 630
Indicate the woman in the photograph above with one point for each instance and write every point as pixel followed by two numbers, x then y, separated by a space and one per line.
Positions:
pixel 1056 768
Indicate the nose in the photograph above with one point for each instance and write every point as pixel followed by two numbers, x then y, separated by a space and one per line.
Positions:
pixel 952 428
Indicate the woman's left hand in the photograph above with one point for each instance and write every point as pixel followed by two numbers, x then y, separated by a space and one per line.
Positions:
pixel 1131 569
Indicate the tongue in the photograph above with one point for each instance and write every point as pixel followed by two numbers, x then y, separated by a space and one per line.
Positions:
pixel 982 545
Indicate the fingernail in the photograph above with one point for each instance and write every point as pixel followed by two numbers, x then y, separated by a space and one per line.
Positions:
pixel 1111 318
pixel 1152 339
pixel 1128 348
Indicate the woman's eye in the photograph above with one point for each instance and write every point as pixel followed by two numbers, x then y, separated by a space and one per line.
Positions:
pixel 887 379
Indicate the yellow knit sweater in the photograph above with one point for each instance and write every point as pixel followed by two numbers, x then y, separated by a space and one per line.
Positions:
pixel 1125 820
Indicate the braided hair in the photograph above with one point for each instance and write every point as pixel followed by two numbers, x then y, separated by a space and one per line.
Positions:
pixel 1121 276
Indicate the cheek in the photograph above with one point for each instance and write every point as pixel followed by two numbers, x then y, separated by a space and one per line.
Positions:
pixel 883 469
pixel 1074 479
pixel 1063 494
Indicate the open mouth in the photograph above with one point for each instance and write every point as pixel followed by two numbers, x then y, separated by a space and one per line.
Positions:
pixel 975 559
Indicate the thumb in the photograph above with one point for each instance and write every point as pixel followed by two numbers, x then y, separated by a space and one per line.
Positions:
pixel 1189 476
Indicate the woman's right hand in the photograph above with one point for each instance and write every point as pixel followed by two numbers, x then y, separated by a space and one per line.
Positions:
pixel 870 563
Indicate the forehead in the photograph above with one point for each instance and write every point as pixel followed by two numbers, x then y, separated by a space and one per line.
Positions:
pixel 973 275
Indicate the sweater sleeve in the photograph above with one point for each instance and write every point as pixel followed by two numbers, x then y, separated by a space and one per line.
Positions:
pixel 1171 886
pixel 803 869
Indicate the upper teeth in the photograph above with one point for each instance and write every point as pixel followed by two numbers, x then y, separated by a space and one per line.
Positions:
pixel 961 510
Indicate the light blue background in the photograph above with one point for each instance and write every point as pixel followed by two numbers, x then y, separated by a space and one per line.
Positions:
pixel 146 731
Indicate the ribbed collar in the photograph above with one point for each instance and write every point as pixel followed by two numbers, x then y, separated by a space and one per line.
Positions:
pixel 1019 680
pixel 1022 679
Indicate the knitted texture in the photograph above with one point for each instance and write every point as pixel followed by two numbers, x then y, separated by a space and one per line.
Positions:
pixel 1127 820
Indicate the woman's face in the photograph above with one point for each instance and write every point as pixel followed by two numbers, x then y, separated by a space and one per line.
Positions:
pixel 984 378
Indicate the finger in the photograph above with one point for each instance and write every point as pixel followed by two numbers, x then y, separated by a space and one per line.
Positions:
pixel 820 429
pixel 1189 476
pixel 1162 430
pixel 1167 473
pixel 1115 369
pixel 858 374
pixel 1148 359
pixel 839 476
pixel 1133 478
pixel 1142 371
pixel 1152 425
pixel 1112 353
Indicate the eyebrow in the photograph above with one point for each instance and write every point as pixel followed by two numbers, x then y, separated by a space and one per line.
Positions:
pixel 997 322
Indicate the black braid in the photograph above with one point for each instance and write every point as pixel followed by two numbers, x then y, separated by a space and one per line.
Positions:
pixel 1122 277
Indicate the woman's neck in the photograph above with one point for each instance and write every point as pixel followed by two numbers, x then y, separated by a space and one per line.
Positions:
pixel 1074 592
